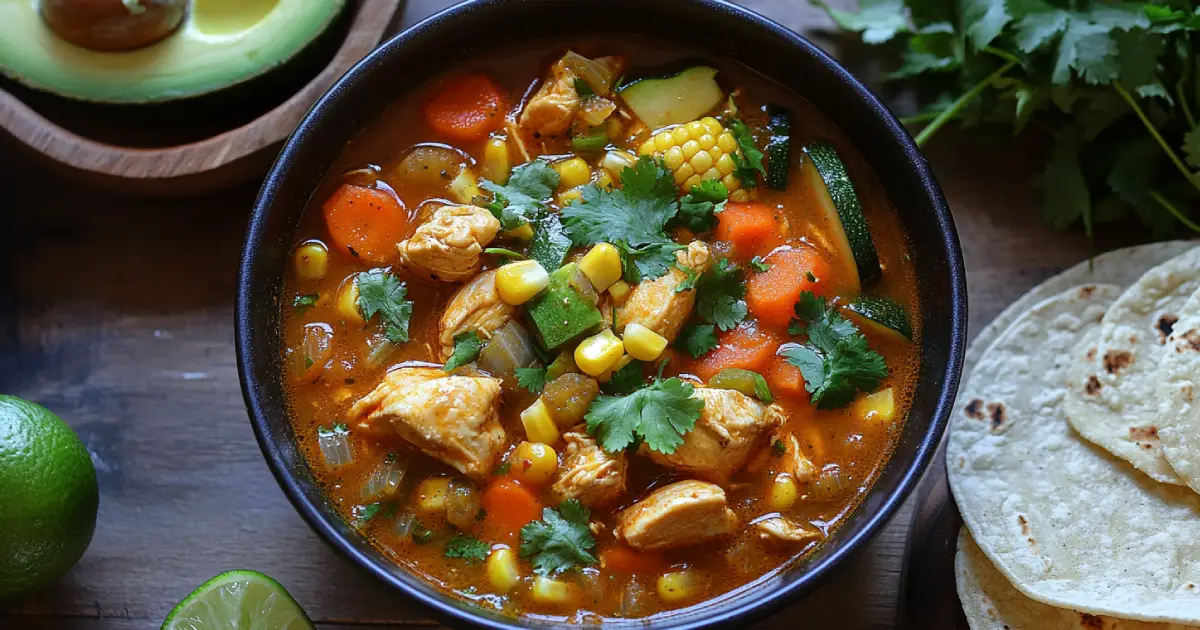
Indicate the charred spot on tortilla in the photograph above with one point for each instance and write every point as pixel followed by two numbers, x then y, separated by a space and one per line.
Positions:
pixel 1192 337
pixel 1146 437
pixel 997 416
pixel 974 409
pixel 1087 291
pixel 962 462
pixel 1024 524
pixel 1164 326
pixel 1187 391
pixel 1092 386
pixel 1090 622
pixel 1117 360
pixel 1091 354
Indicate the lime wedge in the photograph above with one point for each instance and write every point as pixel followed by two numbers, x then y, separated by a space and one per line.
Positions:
pixel 238 600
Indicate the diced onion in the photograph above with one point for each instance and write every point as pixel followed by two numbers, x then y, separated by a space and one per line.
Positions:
pixel 315 347
pixel 584 287
pixel 463 504
pixel 335 445
pixel 404 524
pixel 598 76
pixel 381 351
pixel 510 348
pixel 385 480
pixel 596 110
pixel 831 485
pixel 635 599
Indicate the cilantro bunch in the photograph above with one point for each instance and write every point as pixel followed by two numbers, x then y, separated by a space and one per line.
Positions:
pixel 834 359
pixel 1116 82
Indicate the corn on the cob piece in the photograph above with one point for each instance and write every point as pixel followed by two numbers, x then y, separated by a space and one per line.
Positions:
pixel 699 150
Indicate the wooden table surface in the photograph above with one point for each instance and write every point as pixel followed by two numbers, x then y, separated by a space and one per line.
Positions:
pixel 118 314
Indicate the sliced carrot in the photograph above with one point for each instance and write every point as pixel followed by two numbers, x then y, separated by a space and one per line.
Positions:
pixel 366 223
pixel 509 507
pixel 772 295
pixel 466 108
pixel 785 380
pixel 744 347
pixel 621 558
pixel 749 227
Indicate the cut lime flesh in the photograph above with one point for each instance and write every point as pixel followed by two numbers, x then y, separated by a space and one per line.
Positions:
pixel 238 600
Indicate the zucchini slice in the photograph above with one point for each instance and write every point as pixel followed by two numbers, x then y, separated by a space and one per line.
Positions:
pixel 779 146
pixel 844 214
pixel 676 99
pixel 883 314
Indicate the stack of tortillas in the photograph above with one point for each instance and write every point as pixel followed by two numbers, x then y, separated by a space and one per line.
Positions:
pixel 1074 450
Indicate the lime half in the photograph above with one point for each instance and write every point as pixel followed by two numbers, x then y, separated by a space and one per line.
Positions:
pixel 238 600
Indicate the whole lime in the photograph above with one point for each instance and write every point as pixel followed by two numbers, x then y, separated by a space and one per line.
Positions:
pixel 48 497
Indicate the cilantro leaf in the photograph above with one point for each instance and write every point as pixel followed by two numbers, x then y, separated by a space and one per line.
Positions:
pixel 467 548
pixel 560 540
pixel 877 20
pixel 659 414
pixel 626 380
pixel 835 360
pixel 532 379
pixel 758 264
pixel 1065 195
pixel 749 164
pixel 523 198
pixel 422 535
pixel 699 339
pixel 466 349
pixel 649 262
pixel 583 89
pixel 634 215
pixel 550 243
pixel 699 208
pixel 985 19
pixel 364 513
pixel 304 302
pixel 381 293
pixel 719 293
pixel 690 277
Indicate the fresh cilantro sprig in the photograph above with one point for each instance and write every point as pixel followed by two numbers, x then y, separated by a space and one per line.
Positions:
pixel 759 265
pixel 659 415
pixel 305 301
pixel 561 540
pixel 532 379
pixel 698 339
pixel 834 359
pixel 467 548
pixel 523 199
pixel 699 208
pixel 633 218
pixel 381 293
pixel 626 380
pixel 749 164
pixel 1115 81
pixel 466 349
pixel 720 294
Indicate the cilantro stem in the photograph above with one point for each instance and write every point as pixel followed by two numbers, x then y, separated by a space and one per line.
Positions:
pixel 1187 174
pixel 1183 104
pixel 1003 54
pixel 957 106
pixel 1176 212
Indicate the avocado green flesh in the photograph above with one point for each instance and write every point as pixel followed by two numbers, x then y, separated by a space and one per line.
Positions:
pixel 560 314
pixel 221 43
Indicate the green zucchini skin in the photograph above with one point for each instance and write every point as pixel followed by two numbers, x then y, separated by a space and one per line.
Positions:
pixel 884 312
pixel 676 99
pixel 779 147
pixel 849 210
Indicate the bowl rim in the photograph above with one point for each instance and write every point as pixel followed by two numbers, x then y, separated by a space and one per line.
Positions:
pixel 771 599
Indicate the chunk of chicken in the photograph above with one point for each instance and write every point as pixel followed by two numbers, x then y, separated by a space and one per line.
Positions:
pixel 454 419
pixel 656 304
pixel 550 111
pixel 731 425
pixel 587 473
pixel 786 458
pixel 780 529
pixel 476 305
pixel 683 513
pixel 448 246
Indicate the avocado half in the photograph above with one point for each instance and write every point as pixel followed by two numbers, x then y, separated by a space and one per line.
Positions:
pixel 220 43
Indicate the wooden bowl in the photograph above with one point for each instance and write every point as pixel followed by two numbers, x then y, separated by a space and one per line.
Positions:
pixel 227 157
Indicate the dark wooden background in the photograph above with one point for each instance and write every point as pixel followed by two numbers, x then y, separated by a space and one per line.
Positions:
pixel 118 314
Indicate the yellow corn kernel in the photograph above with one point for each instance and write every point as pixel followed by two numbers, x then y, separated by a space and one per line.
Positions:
pixel 680 135
pixel 539 425
pixel 678 586
pixel 502 570
pixel 707 141
pixel 523 233
pixel 696 129
pixel 464 188
pixel 878 407
pixel 647 147
pixel 431 494
pixel 573 172
pixel 727 142
pixel 690 149
pixel 568 197
pixel 725 164
pixel 312 260
pixel 601 265
pixel 738 196
pixel 701 162
pixel 518 282
pixel 673 158
pixel 534 462
pixel 495 160
pixel 691 183
pixel 663 141
pixel 684 173
pixel 642 343
pixel 619 291
pixel 783 492
pixel 711 173
pixel 605 181
pixel 598 353
pixel 347 300
pixel 711 124
pixel 608 374
pixel 553 592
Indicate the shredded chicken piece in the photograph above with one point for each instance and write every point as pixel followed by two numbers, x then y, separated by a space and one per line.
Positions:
pixel 448 247
pixel 788 459
pixel 683 513
pixel 587 473
pixel 476 306
pixel 656 304
pixel 780 529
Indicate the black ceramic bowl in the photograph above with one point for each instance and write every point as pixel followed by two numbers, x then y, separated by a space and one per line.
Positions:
pixel 469 29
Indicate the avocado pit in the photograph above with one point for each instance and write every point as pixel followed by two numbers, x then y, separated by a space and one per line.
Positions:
pixel 112 25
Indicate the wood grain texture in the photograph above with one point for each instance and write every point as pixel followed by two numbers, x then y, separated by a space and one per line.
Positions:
pixel 118 313
pixel 233 155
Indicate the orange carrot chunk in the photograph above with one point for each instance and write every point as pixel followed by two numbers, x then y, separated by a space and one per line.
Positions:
pixel 744 347
pixel 366 223
pixel 785 380
pixel 749 227
pixel 620 558
pixel 509 507
pixel 771 296
pixel 466 108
